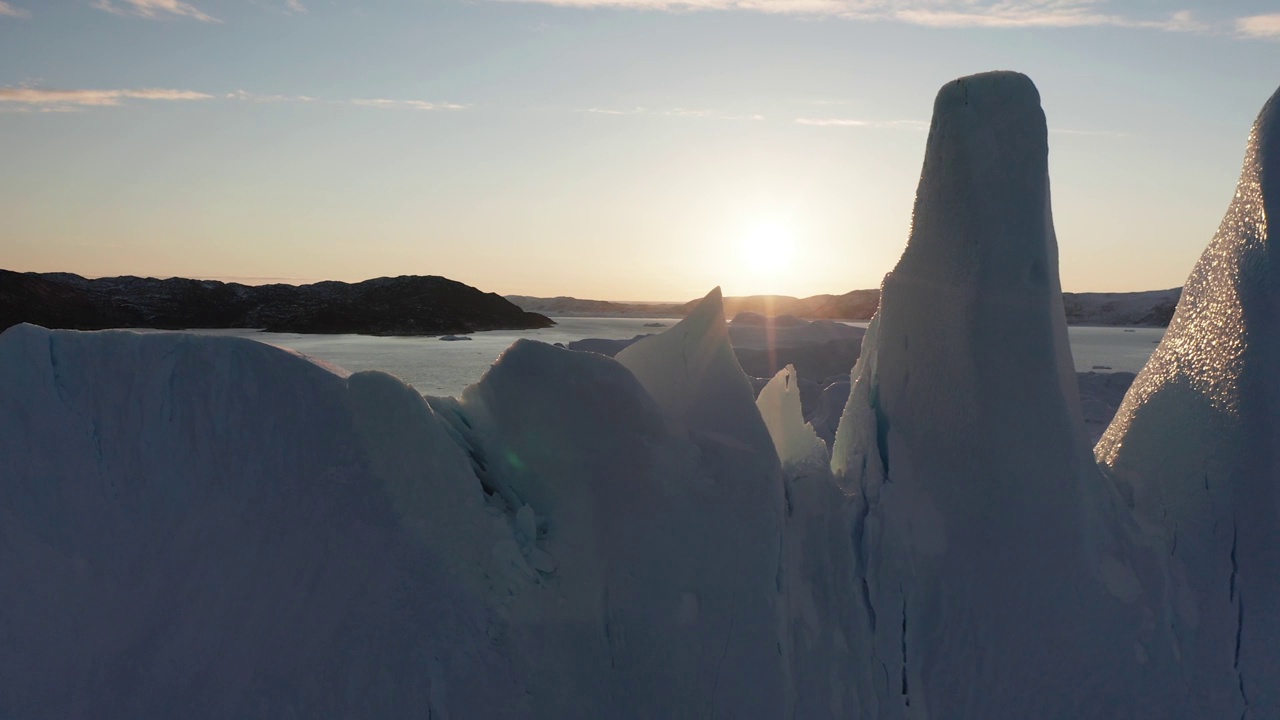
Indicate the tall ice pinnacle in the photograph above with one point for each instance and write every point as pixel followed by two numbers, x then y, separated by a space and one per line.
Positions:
pixel 995 577
pixel 1196 445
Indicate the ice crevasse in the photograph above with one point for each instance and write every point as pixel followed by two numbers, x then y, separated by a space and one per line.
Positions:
pixel 210 527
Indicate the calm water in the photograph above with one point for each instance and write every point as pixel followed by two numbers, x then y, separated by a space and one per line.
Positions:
pixel 1115 348
pixel 440 367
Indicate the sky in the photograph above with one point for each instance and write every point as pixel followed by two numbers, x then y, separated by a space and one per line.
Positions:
pixel 611 149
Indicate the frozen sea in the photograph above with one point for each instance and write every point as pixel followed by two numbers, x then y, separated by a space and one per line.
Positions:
pixel 442 367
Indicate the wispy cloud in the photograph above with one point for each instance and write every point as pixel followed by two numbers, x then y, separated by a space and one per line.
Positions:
pixel 155 9
pixel 7 10
pixel 875 124
pixel 672 112
pixel 46 100
pixel 611 111
pixel 406 104
pixel 682 112
pixel 295 6
pixel 1259 26
pixel 34 99
pixel 360 102
pixel 1037 14
pixel 254 97
pixel 932 13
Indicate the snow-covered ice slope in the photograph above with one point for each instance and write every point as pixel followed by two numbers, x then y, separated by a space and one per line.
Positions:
pixel 997 579
pixel 1196 446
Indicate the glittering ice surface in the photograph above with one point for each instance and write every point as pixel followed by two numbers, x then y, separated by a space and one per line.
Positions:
pixel 1194 447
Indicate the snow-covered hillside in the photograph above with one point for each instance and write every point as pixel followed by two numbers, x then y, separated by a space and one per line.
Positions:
pixel 196 526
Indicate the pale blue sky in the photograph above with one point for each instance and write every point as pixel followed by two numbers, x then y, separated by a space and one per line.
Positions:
pixel 627 149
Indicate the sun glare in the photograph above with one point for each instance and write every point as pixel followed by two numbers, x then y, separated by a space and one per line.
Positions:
pixel 767 249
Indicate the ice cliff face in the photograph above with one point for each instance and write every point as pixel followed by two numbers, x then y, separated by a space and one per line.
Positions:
pixel 995 556
pixel 1196 447
pixel 209 527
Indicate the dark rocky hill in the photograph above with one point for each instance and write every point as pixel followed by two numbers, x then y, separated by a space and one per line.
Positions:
pixel 406 305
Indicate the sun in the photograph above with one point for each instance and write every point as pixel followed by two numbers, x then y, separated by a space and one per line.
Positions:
pixel 767 249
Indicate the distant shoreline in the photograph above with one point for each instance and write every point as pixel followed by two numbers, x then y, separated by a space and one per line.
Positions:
pixel 408 305
pixel 1149 308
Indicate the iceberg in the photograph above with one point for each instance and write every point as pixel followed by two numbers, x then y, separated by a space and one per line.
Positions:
pixel 239 529
pixel 998 578
pixel 211 526
pixel 1194 447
